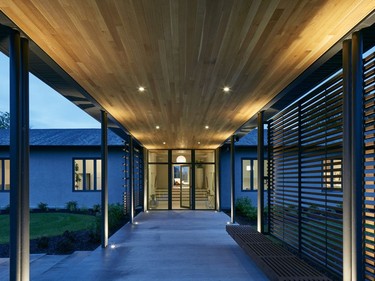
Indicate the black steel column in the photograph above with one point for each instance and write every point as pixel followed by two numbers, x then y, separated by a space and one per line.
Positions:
pixel 260 151
pixel 232 180
pixel 193 180
pixel 357 155
pixel 104 193
pixel 170 180
pixel 217 180
pixel 347 160
pixel 19 158
pixel 131 178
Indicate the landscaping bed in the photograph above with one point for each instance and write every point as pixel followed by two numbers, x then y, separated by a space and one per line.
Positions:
pixel 63 231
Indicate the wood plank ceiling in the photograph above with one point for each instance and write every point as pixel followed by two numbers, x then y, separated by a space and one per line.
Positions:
pixel 184 52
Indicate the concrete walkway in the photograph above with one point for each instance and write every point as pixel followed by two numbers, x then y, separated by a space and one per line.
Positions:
pixel 163 245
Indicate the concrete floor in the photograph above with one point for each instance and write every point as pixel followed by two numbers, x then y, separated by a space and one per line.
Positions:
pixel 163 245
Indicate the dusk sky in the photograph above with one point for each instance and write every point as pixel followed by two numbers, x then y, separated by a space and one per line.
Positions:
pixel 48 109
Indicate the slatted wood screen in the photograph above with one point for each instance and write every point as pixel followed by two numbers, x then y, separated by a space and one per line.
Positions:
pixel 138 178
pixel 369 168
pixel 305 158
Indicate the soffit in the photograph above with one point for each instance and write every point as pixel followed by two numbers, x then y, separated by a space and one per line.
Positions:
pixel 184 53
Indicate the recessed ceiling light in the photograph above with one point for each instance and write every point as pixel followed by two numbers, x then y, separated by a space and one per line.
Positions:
pixel 164 142
pixel 157 127
pixel 141 89
pixel 226 89
pixel 206 127
pixel 199 142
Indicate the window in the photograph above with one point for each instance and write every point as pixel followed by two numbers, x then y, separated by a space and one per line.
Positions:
pixel 87 174
pixel 250 174
pixel 4 175
pixel 332 173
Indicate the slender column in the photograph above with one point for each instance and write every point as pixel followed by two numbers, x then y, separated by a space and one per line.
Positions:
pixel 104 193
pixel 170 181
pixel 346 165
pixel 232 180
pixel 145 179
pixel 193 181
pixel 357 155
pixel 217 173
pixel 260 175
pixel 19 158
pixel 131 178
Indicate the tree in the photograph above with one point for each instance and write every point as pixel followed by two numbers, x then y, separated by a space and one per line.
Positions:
pixel 4 120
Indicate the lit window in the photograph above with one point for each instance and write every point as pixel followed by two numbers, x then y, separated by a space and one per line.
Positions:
pixel 87 174
pixel 332 173
pixel 4 174
pixel 250 174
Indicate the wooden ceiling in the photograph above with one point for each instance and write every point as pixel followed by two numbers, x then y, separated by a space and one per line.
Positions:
pixel 184 52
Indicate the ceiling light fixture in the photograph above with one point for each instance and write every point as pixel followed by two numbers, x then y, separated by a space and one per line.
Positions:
pixel 199 142
pixel 164 142
pixel 157 127
pixel 206 127
pixel 226 89
pixel 141 89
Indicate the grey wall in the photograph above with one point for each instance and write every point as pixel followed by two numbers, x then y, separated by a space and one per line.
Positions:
pixel 51 176
pixel 240 153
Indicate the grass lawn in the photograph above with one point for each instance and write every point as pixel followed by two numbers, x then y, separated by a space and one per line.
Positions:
pixel 49 224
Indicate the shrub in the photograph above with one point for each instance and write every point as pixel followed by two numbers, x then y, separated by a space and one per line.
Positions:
pixel 66 244
pixel 42 242
pixel 116 218
pixel 96 208
pixel 245 208
pixel 43 206
pixel 71 206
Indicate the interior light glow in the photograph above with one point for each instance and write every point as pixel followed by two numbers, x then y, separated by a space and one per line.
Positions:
pixel 248 168
pixel 181 159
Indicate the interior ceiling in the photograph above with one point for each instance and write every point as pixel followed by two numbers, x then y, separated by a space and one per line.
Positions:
pixel 184 52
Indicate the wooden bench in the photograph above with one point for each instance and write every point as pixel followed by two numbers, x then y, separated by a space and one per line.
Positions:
pixel 276 261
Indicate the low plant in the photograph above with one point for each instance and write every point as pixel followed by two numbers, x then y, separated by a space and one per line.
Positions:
pixel 245 208
pixel 72 206
pixel 43 206
pixel 66 244
pixel 42 242
pixel 96 208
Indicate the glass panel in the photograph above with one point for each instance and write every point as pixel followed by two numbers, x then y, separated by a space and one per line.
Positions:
pixel 158 156
pixel 98 174
pixel 181 156
pixel 158 186
pixel 255 174
pixel 89 175
pixel 1 173
pixel 185 187
pixel 205 156
pixel 78 174
pixel 246 171
pixel 205 186
pixel 7 174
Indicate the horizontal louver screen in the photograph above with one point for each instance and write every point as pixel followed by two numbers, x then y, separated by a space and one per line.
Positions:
pixel 305 144
pixel 369 168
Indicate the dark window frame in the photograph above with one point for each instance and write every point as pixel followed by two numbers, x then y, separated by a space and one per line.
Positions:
pixel 84 178
pixel 251 175
pixel 2 171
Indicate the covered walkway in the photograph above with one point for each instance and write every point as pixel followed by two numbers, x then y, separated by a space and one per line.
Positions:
pixel 161 245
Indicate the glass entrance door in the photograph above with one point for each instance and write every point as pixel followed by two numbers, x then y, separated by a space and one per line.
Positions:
pixel 185 187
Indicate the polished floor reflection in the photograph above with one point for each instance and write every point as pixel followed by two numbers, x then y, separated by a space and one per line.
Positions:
pixel 163 245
